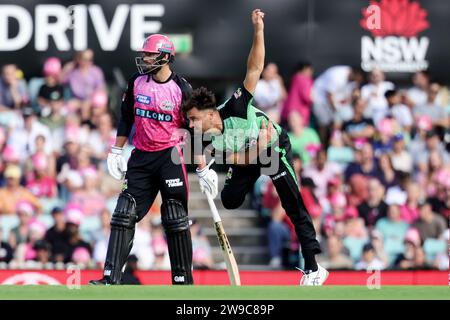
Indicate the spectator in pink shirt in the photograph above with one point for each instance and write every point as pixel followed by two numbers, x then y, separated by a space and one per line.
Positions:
pixel 299 96
pixel 409 212
pixel 83 78
pixel 39 182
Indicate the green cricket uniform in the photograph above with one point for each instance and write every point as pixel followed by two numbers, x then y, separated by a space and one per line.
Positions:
pixel 241 127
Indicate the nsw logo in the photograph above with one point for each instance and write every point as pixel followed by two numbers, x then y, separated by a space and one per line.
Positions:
pixel 395 45
pixel 143 99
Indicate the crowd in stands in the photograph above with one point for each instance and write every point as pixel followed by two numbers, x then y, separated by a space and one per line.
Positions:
pixel 373 163
pixel 372 160
pixel 56 196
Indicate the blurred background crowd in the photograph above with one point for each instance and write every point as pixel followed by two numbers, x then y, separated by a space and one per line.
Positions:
pixel 372 159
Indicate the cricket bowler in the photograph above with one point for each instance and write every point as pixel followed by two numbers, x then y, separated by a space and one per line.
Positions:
pixel 245 133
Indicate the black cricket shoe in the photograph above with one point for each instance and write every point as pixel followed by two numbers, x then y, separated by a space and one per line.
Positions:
pixel 105 281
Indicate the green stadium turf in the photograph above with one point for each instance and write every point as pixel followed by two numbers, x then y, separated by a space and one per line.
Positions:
pixel 225 293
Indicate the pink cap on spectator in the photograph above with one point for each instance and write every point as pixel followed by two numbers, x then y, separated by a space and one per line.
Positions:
pixel 338 199
pixel 39 161
pixel 10 154
pixel 386 126
pixel 37 228
pixel 351 212
pixel 81 255
pixel 359 142
pixel 73 214
pixel 52 67
pixel 99 99
pixel 424 122
pixel 25 207
pixel 312 148
pixel 334 181
pixel 413 236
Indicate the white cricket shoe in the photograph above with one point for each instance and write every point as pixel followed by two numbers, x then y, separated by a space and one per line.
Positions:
pixel 316 278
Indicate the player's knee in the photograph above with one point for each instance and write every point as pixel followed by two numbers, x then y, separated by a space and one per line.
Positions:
pixel 124 214
pixel 174 216
pixel 229 201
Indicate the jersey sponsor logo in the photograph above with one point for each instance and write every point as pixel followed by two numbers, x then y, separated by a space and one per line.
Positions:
pixel 278 176
pixel 230 173
pixel 171 183
pixel 237 93
pixel 167 105
pixel 143 99
pixel 153 115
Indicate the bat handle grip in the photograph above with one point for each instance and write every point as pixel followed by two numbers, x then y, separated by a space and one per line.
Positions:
pixel 212 205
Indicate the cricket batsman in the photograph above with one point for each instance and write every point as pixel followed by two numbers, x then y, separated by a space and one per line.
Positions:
pixel 244 152
pixel 152 104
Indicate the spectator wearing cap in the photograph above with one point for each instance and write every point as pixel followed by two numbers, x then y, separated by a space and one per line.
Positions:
pixel 13 89
pixel 374 208
pixel 359 129
pixel 6 252
pixel 74 216
pixel 369 260
pixel 386 130
pixel 24 139
pixel 51 90
pixel 432 109
pixel 401 159
pixel 81 257
pixel 429 224
pixel 13 192
pixel 20 233
pixel 39 182
pixel 393 229
pixel 398 111
pixel 304 140
pixel 56 235
pixel 406 259
pixel 335 256
pixel 98 108
pixel 374 95
pixel 299 98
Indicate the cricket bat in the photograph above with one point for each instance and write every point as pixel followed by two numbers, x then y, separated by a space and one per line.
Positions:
pixel 230 261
